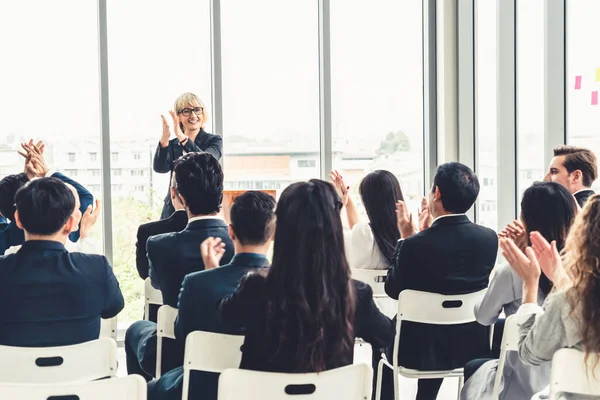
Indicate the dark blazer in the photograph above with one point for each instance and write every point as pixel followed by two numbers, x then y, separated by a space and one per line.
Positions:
pixel 53 297
pixel 200 295
pixel 175 223
pixel 174 255
pixel 245 308
pixel 13 236
pixel 3 223
pixel 164 158
pixel 582 196
pixel 453 256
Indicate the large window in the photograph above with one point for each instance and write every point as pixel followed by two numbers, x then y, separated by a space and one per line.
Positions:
pixel 167 54
pixel 377 92
pixel 486 111
pixel 270 92
pixel 583 76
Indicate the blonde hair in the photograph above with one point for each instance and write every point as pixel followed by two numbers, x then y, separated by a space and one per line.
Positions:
pixel 190 100
pixel 582 263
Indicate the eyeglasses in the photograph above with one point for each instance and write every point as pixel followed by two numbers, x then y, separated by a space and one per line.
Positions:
pixel 188 111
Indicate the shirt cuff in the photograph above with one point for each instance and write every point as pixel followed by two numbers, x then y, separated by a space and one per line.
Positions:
pixel 526 311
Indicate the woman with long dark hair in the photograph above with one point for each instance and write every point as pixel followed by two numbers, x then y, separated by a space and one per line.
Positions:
pixel 548 209
pixel 304 314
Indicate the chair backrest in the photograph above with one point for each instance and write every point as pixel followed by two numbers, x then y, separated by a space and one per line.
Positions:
pixel 437 309
pixel 77 363
pixel 374 278
pixel 108 328
pixel 510 342
pixel 165 329
pixel 152 296
pixel 211 352
pixel 570 374
pixel 132 387
pixel 352 382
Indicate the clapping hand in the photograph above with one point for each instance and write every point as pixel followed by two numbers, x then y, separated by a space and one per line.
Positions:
pixel 338 182
pixel 404 220
pixel 525 265
pixel 549 259
pixel 212 251
pixel 516 232
pixel 425 218
pixel 88 219
pixel 166 133
pixel 35 165
pixel 176 128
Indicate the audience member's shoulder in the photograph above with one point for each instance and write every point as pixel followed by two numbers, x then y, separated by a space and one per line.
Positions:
pixel 89 262
pixel 162 238
pixel 362 290
pixel 254 281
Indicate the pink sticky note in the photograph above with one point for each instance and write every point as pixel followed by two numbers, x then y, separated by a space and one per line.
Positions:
pixel 595 98
pixel 578 82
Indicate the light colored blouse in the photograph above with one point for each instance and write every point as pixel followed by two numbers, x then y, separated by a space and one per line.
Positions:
pixel 362 251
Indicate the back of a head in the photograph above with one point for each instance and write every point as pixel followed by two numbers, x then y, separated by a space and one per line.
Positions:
pixel 251 216
pixel 579 158
pixel 310 299
pixel 548 208
pixel 458 186
pixel 9 186
pixel 380 191
pixel 44 206
pixel 199 179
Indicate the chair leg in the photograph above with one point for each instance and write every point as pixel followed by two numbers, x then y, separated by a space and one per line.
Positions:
pixel 379 378
pixel 461 381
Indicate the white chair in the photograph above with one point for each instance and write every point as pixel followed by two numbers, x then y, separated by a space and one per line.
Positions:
pixel 66 364
pixel 428 308
pixel 375 278
pixel 132 387
pixel 352 382
pixel 510 342
pixel 210 352
pixel 108 328
pixel 165 329
pixel 152 296
pixel 571 374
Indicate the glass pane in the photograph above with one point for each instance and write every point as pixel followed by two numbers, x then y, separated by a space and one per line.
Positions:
pixel 377 92
pixel 270 92
pixel 583 76
pixel 167 54
pixel 48 93
pixel 486 113
pixel 530 93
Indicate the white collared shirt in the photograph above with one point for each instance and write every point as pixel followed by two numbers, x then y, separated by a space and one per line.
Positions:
pixel 447 215
pixel 201 217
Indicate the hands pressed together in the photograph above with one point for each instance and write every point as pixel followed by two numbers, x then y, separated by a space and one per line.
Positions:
pixel 35 165
pixel 166 134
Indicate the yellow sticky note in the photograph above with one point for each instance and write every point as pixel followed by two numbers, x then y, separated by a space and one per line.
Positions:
pixel 597 74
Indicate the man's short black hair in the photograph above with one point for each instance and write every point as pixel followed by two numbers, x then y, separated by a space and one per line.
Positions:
pixel 44 205
pixel 458 186
pixel 8 188
pixel 252 216
pixel 199 179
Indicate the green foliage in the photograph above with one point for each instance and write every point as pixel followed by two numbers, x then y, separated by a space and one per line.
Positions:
pixel 394 142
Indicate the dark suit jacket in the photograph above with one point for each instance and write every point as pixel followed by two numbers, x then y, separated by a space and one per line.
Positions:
pixel 246 309
pixel 453 256
pixel 13 236
pixel 200 295
pixel 164 158
pixel 582 196
pixel 3 223
pixel 174 255
pixel 175 223
pixel 53 297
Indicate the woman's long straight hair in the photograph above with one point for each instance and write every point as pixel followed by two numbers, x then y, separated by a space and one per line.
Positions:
pixel 380 191
pixel 309 297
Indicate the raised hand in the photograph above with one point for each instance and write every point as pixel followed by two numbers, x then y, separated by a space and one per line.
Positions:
pixel 166 133
pixel 338 182
pixel 516 232
pixel 549 259
pixel 525 265
pixel 176 128
pixel 35 164
pixel 404 220
pixel 89 219
pixel 425 218
pixel 212 251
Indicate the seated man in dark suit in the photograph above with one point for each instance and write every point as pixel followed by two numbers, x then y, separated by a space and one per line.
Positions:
pixel 175 223
pixel 35 167
pixel 451 255
pixel 251 229
pixel 52 297
pixel 172 256
pixel 576 169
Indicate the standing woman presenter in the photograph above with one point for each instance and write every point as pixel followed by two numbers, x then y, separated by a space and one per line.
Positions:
pixel 188 117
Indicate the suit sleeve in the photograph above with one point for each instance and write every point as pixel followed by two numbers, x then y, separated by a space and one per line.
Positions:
pixel 399 275
pixel 86 199
pixel 371 325
pixel 154 268
pixel 114 298
pixel 499 293
pixel 214 146
pixel 240 309
pixel 141 260
pixel 162 159
pixel 184 307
